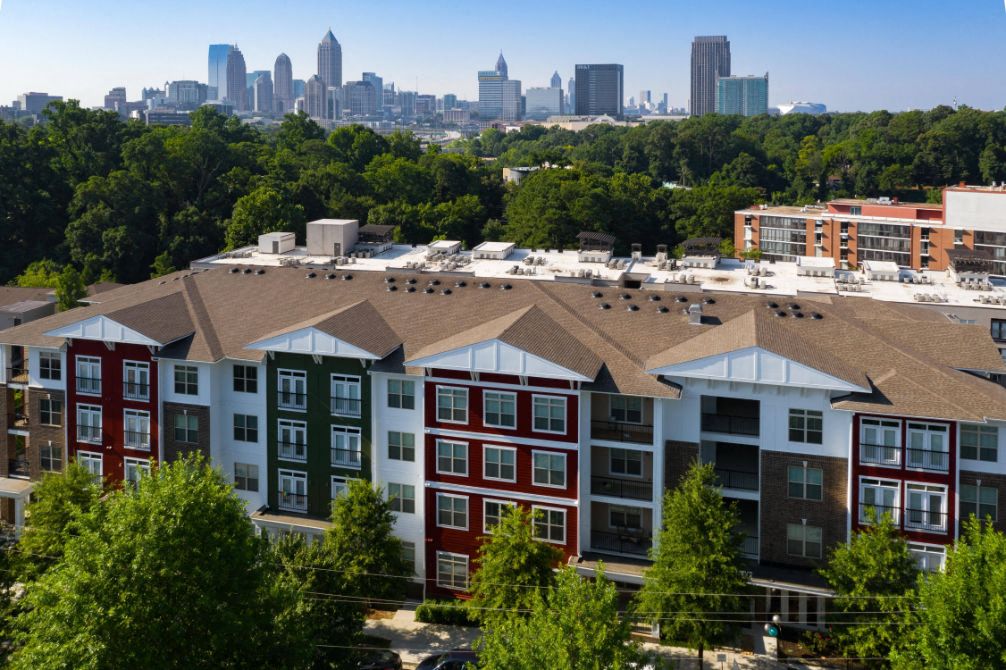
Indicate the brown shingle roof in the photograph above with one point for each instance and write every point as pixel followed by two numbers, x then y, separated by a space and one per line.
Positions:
pixel 358 324
pixel 163 320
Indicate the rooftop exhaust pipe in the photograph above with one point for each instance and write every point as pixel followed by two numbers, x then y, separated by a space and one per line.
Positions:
pixel 695 314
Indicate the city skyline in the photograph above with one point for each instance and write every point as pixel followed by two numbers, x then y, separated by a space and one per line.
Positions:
pixel 888 59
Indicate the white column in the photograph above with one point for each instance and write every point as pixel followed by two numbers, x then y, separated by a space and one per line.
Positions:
pixel 658 467
pixel 18 516
pixel 583 472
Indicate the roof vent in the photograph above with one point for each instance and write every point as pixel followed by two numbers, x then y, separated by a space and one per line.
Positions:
pixel 772 305
pixel 625 296
pixel 797 315
pixel 460 284
pixel 662 310
pixel 793 307
pixel 654 298
pixel 234 271
pixel 709 301
pixel 161 282
pixel 506 287
pixel 331 275
pixel 604 305
pixel 428 289
pixel 347 277
pixel 410 280
pixel 632 308
pixel 309 275
pixel 816 316
pixel 390 280
pixel 485 284
pixel 446 291
pixel 260 271
pixel 681 299
pixel 780 313
pixel 434 282
pixel 248 271
pixel 410 289
pixel 392 288
pixel 597 294
pixel 695 314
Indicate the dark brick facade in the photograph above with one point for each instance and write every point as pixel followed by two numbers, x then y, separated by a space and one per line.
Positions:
pixel 969 478
pixel 6 417
pixel 175 449
pixel 678 456
pixel 41 435
pixel 777 509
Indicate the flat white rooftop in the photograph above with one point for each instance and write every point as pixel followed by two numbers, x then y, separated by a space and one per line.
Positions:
pixel 494 246
pixel 822 262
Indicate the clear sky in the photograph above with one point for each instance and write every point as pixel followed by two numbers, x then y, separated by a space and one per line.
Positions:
pixel 848 54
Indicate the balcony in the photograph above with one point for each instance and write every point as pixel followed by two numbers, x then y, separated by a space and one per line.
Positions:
pixel 617 431
pixel 879 511
pixel 137 440
pixel 135 391
pixel 294 502
pixel 17 374
pixel 921 519
pixel 613 487
pixel 346 458
pixel 927 459
pixel 631 541
pixel 346 406
pixel 744 480
pixel 291 400
pixel 90 434
pixel 879 454
pixel 89 385
pixel 730 425
pixel 292 451
pixel 749 547
pixel 735 465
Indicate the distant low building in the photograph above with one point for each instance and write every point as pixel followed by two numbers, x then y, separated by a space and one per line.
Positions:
pixel 813 108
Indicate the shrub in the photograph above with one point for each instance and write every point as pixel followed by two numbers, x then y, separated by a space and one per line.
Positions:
pixel 452 613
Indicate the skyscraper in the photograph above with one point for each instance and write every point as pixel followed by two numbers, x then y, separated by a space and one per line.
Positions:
pixel 115 100
pixel 330 60
pixel 747 96
pixel 556 80
pixel 187 94
pixel 543 102
pixel 710 61
pixel 264 94
pixel 571 95
pixel 237 74
pixel 217 81
pixel 599 89
pixel 360 98
pixel 315 94
pixel 501 66
pixel 378 84
pixel 499 96
pixel 283 84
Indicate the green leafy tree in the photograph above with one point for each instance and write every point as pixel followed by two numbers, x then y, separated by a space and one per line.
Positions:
pixel 512 566
pixel 70 289
pixel 297 129
pixel 39 274
pixel 874 578
pixel 264 210
pixel 162 265
pixel 170 575
pixel 697 570
pixel 573 626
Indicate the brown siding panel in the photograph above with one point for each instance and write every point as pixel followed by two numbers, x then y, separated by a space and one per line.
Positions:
pixel 173 449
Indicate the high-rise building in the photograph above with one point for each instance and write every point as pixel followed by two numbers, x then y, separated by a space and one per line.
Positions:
pixel 237 74
pixel 299 86
pixel 217 81
pixel 407 100
pixel 378 84
pixel 645 98
pixel 283 84
pixel 34 103
pixel 501 66
pixel 426 105
pixel 571 95
pixel 747 96
pixel 710 61
pixel 389 94
pixel 556 80
pixel 187 94
pixel 450 101
pixel 360 98
pixel 599 89
pixel 264 94
pixel 330 60
pixel 499 96
pixel 541 103
pixel 315 94
pixel 116 99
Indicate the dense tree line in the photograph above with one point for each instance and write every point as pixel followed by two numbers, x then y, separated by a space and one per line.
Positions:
pixel 123 201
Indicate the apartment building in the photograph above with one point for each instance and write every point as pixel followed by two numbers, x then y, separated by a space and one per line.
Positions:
pixel 584 400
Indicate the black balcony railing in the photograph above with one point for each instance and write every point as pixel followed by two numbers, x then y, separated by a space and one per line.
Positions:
pixel 630 542
pixel 346 406
pixel 18 467
pixel 17 374
pixel 878 512
pixel 922 519
pixel 291 400
pixel 137 439
pixel 346 458
pixel 621 488
pixel 90 385
pixel 617 431
pixel 135 391
pixel 737 479
pixel 292 451
pixel 927 459
pixel 730 425
pixel 89 434
pixel 879 453
pixel 292 501
pixel 749 546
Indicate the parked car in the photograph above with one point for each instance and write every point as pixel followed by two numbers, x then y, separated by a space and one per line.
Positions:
pixel 380 660
pixel 456 659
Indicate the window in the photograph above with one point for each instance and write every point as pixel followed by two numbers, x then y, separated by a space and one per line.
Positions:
pixel 550 524
pixel 91 463
pixel 401 446
pixel 346 447
pixel 492 513
pixel 980 501
pixel 52 457
pixel 50 412
pixel 805 482
pixel 136 429
pixel 855 210
pixel 979 443
pixel 340 487
pixel 500 463
pixel 879 495
pixel 549 414
pixel 187 428
pixel 452 458
pixel 135 380
pixel 346 396
pixel 452 404
pixel 806 425
pixel 186 380
pixel 89 424
pixel 452 511
pixel 132 469
pixel 549 469
pixel 292 491
pixel 625 518
pixel 452 571
pixel 402 498
pixel 401 394
pixel 292 389
pixel 627 462
pixel 880 442
pixel 998 330
pixel 245 428
pixel 88 375
pixel 927 557
pixel 292 440
pixel 245 379
pixel 926 507
pixel 409 556
pixel 499 409
pixel 50 366
pixel 626 409
pixel 927 447
pixel 246 477
pixel 803 541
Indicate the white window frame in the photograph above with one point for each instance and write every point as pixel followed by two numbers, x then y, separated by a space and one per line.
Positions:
pixel 486 528
pixel 401 497
pixel 244 427
pixel 485 463
pixel 294 429
pixel 978 504
pixel 927 431
pixel 295 477
pixel 454 459
pixel 136 465
pixel 876 484
pixel 625 458
pixel 455 561
pixel 89 459
pixel 804 482
pixel 186 369
pixel 804 542
pixel 926 492
pixel 454 512
pixel 350 384
pixel 550 454
pixel 138 419
pixel 979 430
pixel 188 429
pixel 340 486
pixel 295 379
pixel 625 409
pixel 89 411
pixel 91 364
pixel 51 356
pixel 247 478
pixel 625 511
pixel 409 554
pixel 926 554
pixel 548 401
pixel 140 374
pixel 883 427
pixel 500 397
pixel 401 394
pixel 805 415
pixel 401 446
pixel 452 392
pixel 546 522
pixel 353 438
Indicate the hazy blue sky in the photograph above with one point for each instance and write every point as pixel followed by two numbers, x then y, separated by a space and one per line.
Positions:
pixel 849 54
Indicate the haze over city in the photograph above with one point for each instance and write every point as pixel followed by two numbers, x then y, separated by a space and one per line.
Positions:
pixel 893 55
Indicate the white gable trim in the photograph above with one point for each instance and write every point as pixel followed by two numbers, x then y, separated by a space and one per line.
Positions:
pixel 312 341
pixel 497 356
pixel 103 329
pixel 757 366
